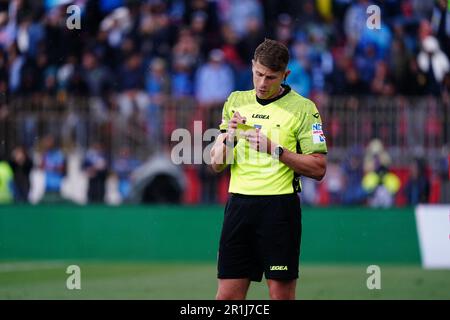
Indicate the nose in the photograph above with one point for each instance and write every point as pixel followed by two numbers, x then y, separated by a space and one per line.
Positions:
pixel 263 83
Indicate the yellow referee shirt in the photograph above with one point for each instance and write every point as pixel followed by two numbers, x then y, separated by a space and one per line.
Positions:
pixel 291 121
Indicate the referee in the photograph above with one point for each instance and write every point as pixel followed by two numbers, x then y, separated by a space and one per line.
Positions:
pixel 270 136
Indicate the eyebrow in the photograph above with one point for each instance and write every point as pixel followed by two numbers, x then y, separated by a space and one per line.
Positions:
pixel 270 75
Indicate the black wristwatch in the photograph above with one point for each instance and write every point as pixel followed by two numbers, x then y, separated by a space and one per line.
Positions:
pixel 277 152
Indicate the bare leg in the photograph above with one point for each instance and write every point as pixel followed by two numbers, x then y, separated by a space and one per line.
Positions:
pixel 282 289
pixel 232 289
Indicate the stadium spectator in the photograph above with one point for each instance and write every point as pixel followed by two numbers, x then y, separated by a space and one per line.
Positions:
pixel 284 29
pixel 132 99
pixel 398 63
pixel 381 186
pixel 208 12
pixel 117 24
pixel 355 21
pixel 382 83
pixel 3 72
pixel 440 23
pixel 353 192
pixel 158 89
pixel 182 78
pixel 6 181
pixel 53 163
pixel 158 81
pixel 187 48
pixel 444 173
pixel 375 156
pixel 97 76
pixel 379 182
pixel 240 11
pixel 123 166
pixel 155 30
pixel 16 61
pixel 365 61
pixel 434 63
pixel 417 189
pixel 7 30
pixel 336 80
pixel 21 165
pixel 299 78
pixel 353 84
pixel 96 168
pixel 232 50
pixel 249 41
pixel 334 183
pixel 381 40
pixel 214 80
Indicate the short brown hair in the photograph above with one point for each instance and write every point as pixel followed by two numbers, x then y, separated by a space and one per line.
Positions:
pixel 272 54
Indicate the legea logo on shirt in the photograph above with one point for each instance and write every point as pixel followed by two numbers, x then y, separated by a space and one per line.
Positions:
pixel 260 116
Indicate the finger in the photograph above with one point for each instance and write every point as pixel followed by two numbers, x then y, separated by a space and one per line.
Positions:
pixel 250 137
pixel 239 118
pixel 232 124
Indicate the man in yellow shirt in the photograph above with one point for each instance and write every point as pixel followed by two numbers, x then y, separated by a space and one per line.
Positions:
pixel 6 180
pixel 270 137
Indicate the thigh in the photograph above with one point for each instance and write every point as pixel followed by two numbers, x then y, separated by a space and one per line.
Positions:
pixel 237 250
pixel 280 238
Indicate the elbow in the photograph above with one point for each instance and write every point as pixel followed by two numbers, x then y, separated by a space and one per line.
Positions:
pixel 319 177
pixel 217 168
pixel 320 173
pixel 322 170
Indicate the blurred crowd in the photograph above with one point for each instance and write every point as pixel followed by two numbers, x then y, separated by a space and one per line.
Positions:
pixel 134 57
pixel 144 51
pixel 368 177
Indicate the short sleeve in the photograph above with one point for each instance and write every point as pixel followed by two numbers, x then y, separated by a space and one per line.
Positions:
pixel 310 133
pixel 226 116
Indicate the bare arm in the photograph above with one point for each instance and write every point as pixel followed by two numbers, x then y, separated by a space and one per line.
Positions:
pixel 220 156
pixel 308 165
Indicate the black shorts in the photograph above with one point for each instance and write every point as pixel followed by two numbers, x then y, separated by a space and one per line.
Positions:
pixel 260 234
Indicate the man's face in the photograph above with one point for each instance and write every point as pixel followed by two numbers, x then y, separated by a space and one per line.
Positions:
pixel 266 81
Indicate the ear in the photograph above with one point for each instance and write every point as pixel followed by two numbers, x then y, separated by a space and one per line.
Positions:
pixel 286 74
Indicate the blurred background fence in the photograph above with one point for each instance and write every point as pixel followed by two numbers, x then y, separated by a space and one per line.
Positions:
pixel 408 128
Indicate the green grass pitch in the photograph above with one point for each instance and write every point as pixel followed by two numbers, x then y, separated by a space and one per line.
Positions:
pixel 173 281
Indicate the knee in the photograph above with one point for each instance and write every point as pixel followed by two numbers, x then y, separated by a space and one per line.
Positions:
pixel 222 296
pixel 282 295
pixel 282 290
pixel 229 296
